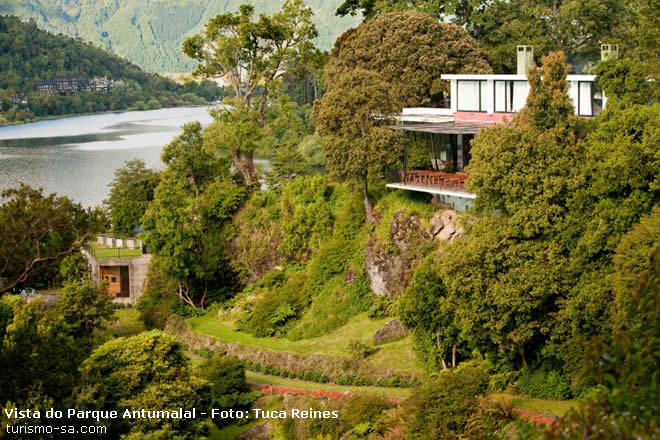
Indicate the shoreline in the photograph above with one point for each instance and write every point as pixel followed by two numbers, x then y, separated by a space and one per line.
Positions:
pixel 105 112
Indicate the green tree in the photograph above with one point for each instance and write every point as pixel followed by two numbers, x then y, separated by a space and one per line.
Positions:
pixel 408 51
pixel 358 145
pixel 188 161
pixel 505 277
pixel 226 377
pixel 130 193
pixel 85 307
pixel 371 9
pixel 252 53
pixel 186 218
pixel 74 267
pixel 576 27
pixel 530 168
pixel 38 230
pixel 427 308
pixel 624 81
pixel 39 352
pixel 440 408
pixel 149 370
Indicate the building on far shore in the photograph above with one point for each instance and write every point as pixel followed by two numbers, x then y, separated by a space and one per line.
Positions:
pixel 72 84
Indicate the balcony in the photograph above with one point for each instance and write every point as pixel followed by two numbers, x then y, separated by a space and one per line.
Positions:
pixel 434 182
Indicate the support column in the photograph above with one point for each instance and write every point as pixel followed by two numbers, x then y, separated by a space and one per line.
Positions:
pixel 405 155
pixel 459 153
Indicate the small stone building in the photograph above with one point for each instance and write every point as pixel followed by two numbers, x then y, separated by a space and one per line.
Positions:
pixel 125 275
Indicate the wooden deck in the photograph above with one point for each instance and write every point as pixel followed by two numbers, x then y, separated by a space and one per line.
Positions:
pixel 454 182
pixel 434 182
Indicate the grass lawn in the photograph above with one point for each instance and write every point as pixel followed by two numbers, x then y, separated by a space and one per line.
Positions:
pixel 101 251
pixel 127 324
pixel 230 432
pixel 395 355
pixel 543 407
pixel 258 378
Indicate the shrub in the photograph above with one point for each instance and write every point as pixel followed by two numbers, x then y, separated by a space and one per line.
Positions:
pixel 440 408
pixel 228 388
pixel 545 384
pixel 74 267
pixel 360 350
pixel 157 303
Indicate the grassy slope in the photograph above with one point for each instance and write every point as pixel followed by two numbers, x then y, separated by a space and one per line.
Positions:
pixel 396 355
pixel 127 324
pixel 258 378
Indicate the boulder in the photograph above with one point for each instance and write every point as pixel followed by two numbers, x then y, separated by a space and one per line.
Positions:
pixel 443 226
pixel 390 331
pixel 390 268
pixel 387 273
pixel 259 432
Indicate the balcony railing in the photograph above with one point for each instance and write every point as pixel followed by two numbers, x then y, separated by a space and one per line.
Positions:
pixel 435 179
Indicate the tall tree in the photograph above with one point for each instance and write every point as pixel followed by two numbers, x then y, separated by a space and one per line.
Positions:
pixel 130 193
pixel 252 53
pixel 38 230
pixel 577 27
pixel 409 51
pixel 185 220
pixel 354 116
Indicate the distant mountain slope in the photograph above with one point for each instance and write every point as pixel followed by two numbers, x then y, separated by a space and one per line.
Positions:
pixel 150 32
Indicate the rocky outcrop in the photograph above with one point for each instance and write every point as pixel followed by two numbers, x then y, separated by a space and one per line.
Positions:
pixel 390 268
pixel 390 331
pixel 444 227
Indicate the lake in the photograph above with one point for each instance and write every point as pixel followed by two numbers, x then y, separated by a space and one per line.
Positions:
pixel 77 156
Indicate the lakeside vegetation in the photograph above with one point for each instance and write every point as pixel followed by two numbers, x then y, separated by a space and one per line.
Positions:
pixel 533 315
pixel 30 54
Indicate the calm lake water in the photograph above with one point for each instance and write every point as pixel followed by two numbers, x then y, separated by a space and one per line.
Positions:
pixel 77 156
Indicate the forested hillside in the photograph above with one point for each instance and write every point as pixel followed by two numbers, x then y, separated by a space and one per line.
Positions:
pixel 28 54
pixel 150 34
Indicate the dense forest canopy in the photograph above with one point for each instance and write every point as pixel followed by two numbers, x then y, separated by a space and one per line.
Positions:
pixel 533 314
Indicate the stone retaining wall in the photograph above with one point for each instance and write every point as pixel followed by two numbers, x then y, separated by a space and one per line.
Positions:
pixel 293 362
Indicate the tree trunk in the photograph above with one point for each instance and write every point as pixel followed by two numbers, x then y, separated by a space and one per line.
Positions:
pixel 453 355
pixel 244 163
pixel 437 344
pixel 367 204
pixel 183 295
pixel 521 350
pixel 206 288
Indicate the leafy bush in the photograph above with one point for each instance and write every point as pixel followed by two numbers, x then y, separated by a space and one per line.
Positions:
pixel 440 408
pixel 157 303
pixel 74 267
pixel 545 384
pixel 360 350
pixel 354 380
pixel 228 388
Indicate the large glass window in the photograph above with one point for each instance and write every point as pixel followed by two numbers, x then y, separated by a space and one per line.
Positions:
pixel 471 96
pixel 510 96
pixel 590 100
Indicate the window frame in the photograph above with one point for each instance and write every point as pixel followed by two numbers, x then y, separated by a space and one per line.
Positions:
pixel 458 109
pixel 495 110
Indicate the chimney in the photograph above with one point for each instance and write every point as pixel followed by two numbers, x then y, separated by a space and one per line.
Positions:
pixel 525 59
pixel 608 51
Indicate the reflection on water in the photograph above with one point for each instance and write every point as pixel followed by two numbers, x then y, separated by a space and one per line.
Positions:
pixel 77 156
